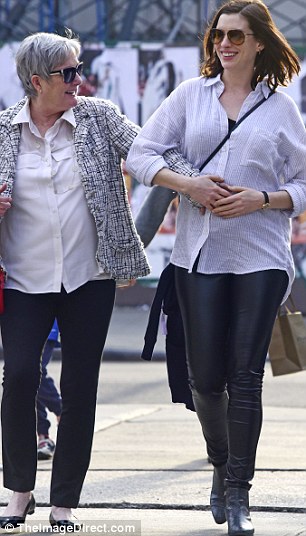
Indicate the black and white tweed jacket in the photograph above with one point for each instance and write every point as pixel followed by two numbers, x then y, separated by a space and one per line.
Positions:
pixel 102 137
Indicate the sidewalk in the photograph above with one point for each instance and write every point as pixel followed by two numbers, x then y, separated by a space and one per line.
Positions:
pixel 149 466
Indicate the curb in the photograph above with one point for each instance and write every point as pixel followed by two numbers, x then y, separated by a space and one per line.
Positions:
pixel 158 506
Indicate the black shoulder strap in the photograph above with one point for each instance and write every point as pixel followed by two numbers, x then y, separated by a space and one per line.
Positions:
pixel 234 127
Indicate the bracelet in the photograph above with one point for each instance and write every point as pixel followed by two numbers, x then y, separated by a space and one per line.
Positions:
pixel 266 203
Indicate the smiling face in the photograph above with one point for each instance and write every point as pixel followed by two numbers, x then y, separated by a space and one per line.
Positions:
pixel 54 95
pixel 237 58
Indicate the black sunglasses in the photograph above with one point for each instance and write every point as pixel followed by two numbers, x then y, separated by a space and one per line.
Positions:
pixel 237 37
pixel 69 73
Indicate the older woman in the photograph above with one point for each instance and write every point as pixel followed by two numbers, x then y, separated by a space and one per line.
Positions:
pixel 66 237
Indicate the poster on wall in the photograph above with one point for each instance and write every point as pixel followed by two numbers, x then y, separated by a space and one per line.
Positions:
pixel 161 69
pixel 112 73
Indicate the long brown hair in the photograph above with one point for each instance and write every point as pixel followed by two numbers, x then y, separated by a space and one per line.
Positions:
pixel 277 61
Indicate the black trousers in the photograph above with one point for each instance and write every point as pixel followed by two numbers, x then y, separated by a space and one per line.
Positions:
pixel 228 321
pixel 83 318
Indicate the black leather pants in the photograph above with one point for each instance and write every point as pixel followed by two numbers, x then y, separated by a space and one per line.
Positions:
pixel 228 320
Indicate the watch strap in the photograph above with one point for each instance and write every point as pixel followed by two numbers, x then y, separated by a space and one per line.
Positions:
pixel 266 203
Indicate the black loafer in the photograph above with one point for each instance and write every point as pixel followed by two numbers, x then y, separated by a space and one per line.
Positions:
pixel 11 522
pixel 65 524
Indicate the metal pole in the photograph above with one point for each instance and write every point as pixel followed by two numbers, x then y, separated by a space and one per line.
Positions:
pixel 41 16
pixel 101 20
pixel 51 25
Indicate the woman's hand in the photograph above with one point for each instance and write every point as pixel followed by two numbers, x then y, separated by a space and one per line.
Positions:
pixel 207 190
pixel 5 201
pixel 122 284
pixel 204 189
pixel 239 202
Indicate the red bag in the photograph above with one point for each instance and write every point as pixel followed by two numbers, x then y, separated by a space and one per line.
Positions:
pixel 2 281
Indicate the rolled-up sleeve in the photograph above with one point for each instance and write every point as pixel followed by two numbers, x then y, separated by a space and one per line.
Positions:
pixel 295 172
pixel 158 135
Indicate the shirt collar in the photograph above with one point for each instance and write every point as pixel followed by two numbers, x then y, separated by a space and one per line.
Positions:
pixel 212 81
pixel 217 82
pixel 24 115
pixel 261 88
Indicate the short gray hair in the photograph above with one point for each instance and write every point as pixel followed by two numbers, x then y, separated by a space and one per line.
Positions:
pixel 40 54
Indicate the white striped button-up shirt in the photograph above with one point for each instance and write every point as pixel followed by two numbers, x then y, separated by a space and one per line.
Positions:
pixel 266 152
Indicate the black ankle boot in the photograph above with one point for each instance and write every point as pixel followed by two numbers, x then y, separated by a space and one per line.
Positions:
pixel 237 512
pixel 217 496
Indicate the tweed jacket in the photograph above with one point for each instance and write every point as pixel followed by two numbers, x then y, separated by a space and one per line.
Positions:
pixel 102 137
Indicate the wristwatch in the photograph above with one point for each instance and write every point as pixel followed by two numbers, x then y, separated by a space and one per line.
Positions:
pixel 266 203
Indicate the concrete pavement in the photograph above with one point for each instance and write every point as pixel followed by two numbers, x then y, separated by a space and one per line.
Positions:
pixel 149 467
